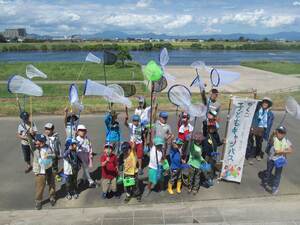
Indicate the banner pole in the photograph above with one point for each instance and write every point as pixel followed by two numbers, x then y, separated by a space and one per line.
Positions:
pixel 226 132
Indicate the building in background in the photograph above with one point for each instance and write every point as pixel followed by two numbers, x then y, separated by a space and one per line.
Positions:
pixel 15 34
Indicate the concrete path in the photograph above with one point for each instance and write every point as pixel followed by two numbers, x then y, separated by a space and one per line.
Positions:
pixel 250 79
pixel 282 210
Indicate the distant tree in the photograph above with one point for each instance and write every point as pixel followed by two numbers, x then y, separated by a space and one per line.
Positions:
pixel 211 39
pixel 123 55
pixel 2 39
pixel 242 39
pixel 266 39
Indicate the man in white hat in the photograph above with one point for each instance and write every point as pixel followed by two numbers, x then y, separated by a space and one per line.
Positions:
pixel 85 153
pixel 260 130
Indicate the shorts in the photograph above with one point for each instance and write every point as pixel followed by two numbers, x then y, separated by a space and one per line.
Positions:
pixel 26 152
pixel 152 174
pixel 109 185
pixel 139 150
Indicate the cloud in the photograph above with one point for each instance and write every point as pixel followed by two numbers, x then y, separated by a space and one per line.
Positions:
pixel 210 30
pixel 143 3
pixel 247 17
pixel 180 21
pixel 277 21
pixel 296 3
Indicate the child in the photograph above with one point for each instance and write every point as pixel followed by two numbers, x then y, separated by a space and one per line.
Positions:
pixel 210 147
pixel 26 134
pixel 176 166
pixel 53 142
pixel 109 171
pixel 279 147
pixel 42 168
pixel 85 153
pixel 141 107
pixel 155 163
pixel 195 162
pixel 130 171
pixel 113 134
pixel 136 136
pixel 72 165
pixel 185 129
pixel 261 125
pixel 71 122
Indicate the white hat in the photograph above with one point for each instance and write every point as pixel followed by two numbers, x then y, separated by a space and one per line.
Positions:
pixel 81 127
pixel 49 126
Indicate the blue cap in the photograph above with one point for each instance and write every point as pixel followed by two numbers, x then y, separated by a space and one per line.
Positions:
pixel 136 118
pixel 74 141
pixel 41 138
pixel 163 114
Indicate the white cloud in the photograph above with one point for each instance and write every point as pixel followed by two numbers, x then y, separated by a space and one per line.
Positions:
pixel 296 3
pixel 277 21
pixel 180 21
pixel 247 17
pixel 210 30
pixel 143 3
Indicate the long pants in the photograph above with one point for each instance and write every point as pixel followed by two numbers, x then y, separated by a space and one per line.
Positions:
pixel 86 173
pixel 71 182
pixel 40 183
pixel 195 178
pixel 252 152
pixel 109 185
pixel 268 175
pixel 175 176
pixel 133 191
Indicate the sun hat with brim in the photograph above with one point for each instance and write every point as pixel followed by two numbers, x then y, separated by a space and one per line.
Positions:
pixel 159 141
pixel 49 126
pixel 281 129
pixel 268 100
pixel 81 127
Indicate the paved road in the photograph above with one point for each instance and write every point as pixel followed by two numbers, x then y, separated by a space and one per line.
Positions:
pixel 17 189
pixel 255 211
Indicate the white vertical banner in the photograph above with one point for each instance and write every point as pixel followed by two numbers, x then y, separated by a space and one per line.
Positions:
pixel 241 115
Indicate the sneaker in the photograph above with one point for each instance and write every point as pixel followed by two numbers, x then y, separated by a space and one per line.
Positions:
pixel 38 206
pixel 195 192
pixel 147 192
pixel 139 198
pixel 76 196
pixel 92 185
pixel 258 158
pixel 52 202
pixel 58 178
pixel 127 199
pixel 190 190
pixel 69 196
pixel 250 162
pixel 104 195
pixel 28 169
pixel 275 191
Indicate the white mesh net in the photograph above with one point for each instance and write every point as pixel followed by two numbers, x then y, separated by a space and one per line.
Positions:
pixel 20 85
pixel 92 58
pixel 74 98
pixel 32 72
pixel 164 57
pixel 292 107
pixel 179 95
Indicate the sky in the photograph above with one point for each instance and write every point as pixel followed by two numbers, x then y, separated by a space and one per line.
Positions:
pixel 180 17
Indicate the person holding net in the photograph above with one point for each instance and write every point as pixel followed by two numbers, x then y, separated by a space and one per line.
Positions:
pixel 26 133
pixel 212 106
pixel 113 133
pixel 261 126
pixel 185 129
pixel 71 121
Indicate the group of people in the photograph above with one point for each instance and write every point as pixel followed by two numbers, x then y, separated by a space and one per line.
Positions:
pixel 151 153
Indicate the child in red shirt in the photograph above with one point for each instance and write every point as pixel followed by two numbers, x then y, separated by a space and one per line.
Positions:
pixel 109 171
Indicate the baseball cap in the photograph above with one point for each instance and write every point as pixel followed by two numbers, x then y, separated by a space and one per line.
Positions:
pixel 281 129
pixel 49 126
pixel 108 145
pixel 41 138
pixel 125 146
pixel 24 115
pixel 214 91
pixel 178 141
pixel 163 114
pixel 135 118
pixel 81 127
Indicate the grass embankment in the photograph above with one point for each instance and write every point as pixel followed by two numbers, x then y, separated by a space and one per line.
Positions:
pixel 70 70
pixel 286 68
pixel 148 46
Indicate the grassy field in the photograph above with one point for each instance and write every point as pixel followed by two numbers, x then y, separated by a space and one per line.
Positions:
pixel 276 67
pixel 146 45
pixel 71 70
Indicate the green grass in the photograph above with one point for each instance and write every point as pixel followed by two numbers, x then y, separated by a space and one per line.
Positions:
pixel 286 68
pixel 71 70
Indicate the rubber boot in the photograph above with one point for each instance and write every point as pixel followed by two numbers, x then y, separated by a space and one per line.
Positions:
pixel 170 188
pixel 179 186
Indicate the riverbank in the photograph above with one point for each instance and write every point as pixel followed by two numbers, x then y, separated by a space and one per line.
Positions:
pixel 148 46
pixel 286 68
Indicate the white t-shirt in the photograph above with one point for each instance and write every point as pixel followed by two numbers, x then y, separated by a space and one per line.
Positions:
pixel 46 158
pixel 279 145
pixel 23 129
pixel 135 133
pixel 84 144
pixel 153 160
pixel 182 128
